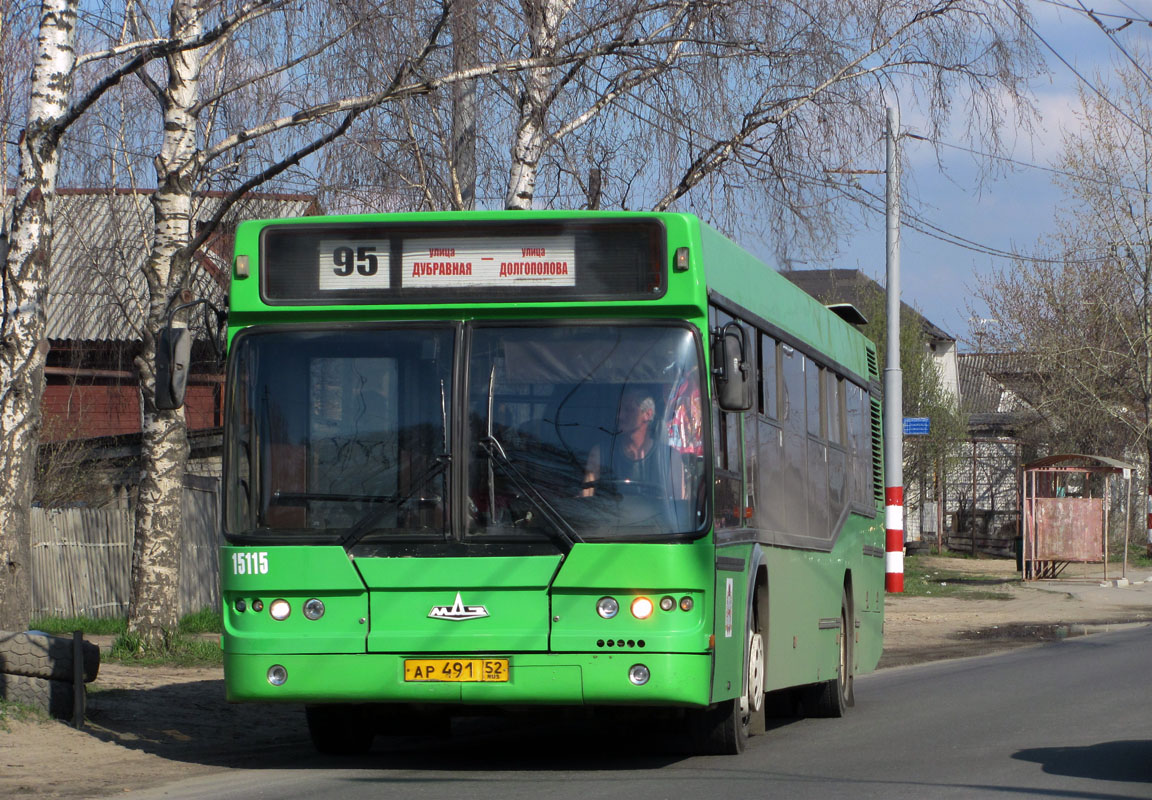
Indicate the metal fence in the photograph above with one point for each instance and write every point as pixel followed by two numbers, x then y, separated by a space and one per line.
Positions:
pixel 82 557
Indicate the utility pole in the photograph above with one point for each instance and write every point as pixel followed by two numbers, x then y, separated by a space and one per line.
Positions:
pixel 893 377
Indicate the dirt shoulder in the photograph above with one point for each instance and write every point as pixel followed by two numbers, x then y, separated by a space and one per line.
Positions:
pixel 150 726
pixel 918 629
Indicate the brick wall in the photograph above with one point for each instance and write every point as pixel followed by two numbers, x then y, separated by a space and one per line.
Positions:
pixel 85 411
pixel 81 412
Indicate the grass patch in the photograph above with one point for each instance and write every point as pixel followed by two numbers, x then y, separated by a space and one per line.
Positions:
pixel 180 651
pixel 946 553
pixel 1137 554
pixel 96 626
pixel 193 645
pixel 206 620
pixel 17 712
pixel 923 581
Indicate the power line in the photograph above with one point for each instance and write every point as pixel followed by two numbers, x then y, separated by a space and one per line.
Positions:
pixel 1079 176
pixel 1111 34
pixel 1079 9
pixel 1024 21
pixel 921 225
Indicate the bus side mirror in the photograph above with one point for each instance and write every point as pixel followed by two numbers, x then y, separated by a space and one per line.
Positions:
pixel 173 354
pixel 734 385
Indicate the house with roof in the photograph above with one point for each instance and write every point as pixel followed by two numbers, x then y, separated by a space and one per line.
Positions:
pixel 976 498
pixel 983 502
pixel 854 287
pixel 97 304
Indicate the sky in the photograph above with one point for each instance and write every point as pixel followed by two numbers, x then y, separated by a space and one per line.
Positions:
pixel 1015 210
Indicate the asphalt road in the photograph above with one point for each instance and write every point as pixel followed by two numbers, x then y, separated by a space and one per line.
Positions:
pixel 1067 720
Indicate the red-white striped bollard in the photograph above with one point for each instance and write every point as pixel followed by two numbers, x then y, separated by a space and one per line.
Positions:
pixel 894 538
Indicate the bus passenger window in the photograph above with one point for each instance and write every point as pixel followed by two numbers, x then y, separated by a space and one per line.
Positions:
pixel 812 386
pixel 768 390
pixel 832 406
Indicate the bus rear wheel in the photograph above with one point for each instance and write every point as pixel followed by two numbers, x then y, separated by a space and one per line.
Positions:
pixel 834 697
pixel 338 730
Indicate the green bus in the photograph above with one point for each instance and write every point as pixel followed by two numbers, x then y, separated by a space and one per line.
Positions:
pixel 493 459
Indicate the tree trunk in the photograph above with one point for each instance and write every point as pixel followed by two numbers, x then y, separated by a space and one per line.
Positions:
pixel 153 611
pixel 463 153
pixel 543 18
pixel 23 345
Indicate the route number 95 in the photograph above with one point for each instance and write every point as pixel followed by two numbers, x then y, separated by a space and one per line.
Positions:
pixel 361 264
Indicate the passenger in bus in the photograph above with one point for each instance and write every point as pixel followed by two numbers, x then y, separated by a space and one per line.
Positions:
pixel 636 459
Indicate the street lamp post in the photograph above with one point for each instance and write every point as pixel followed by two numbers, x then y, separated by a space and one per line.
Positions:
pixel 893 378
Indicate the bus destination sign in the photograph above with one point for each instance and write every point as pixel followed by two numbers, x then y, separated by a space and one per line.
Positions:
pixel 484 261
pixel 471 261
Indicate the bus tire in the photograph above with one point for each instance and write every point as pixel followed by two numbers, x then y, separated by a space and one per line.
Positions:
pixel 338 730
pixel 723 729
pixel 834 697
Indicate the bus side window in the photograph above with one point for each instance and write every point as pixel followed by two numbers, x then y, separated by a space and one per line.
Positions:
pixel 794 468
pixel 751 449
pixel 728 498
pixel 859 457
pixel 767 379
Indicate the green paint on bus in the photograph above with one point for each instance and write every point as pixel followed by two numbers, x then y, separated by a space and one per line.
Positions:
pixel 476 459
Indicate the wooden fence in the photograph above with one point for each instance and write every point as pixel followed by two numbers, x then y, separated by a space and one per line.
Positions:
pixel 82 557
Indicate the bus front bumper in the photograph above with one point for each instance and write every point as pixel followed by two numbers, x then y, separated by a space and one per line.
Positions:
pixel 554 679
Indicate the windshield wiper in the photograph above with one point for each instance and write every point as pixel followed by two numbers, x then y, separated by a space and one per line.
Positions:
pixel 368 521
pixel 561 531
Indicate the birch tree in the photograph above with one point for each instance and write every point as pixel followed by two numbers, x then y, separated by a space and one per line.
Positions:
pixel 586 57
pixel 542 19
pixel 730 108
pixel 51 111
pixel 22 344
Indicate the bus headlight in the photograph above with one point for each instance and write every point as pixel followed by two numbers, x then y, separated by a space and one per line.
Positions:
pixel 279 609
pixel 639 674
pixel 314 608
pixel 641 608
pixel 607 607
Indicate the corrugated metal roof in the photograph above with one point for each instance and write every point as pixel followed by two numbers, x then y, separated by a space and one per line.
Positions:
pixel 993 383
pixel 101 238
pixel 1102 463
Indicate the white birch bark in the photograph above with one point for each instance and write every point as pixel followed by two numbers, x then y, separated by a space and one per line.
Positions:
pixel 24 290
pixel 154 611
pixel 543 18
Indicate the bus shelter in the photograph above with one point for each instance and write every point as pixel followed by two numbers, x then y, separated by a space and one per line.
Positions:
pixel 1066 500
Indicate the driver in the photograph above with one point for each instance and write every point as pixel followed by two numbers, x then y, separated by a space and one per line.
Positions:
pixel 635 456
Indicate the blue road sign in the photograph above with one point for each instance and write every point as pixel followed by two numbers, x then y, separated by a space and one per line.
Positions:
pixel 916 426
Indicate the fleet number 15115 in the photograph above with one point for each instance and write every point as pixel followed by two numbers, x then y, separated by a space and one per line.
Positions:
pixel 249 563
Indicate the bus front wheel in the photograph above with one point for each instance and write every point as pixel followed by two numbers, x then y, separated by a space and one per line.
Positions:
pixel 723 729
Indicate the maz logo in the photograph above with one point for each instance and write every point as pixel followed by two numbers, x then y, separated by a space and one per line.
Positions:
pixel 458 611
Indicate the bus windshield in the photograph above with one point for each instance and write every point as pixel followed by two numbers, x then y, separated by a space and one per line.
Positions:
pixel 571 432
pixel 330 427
pixel 598 424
